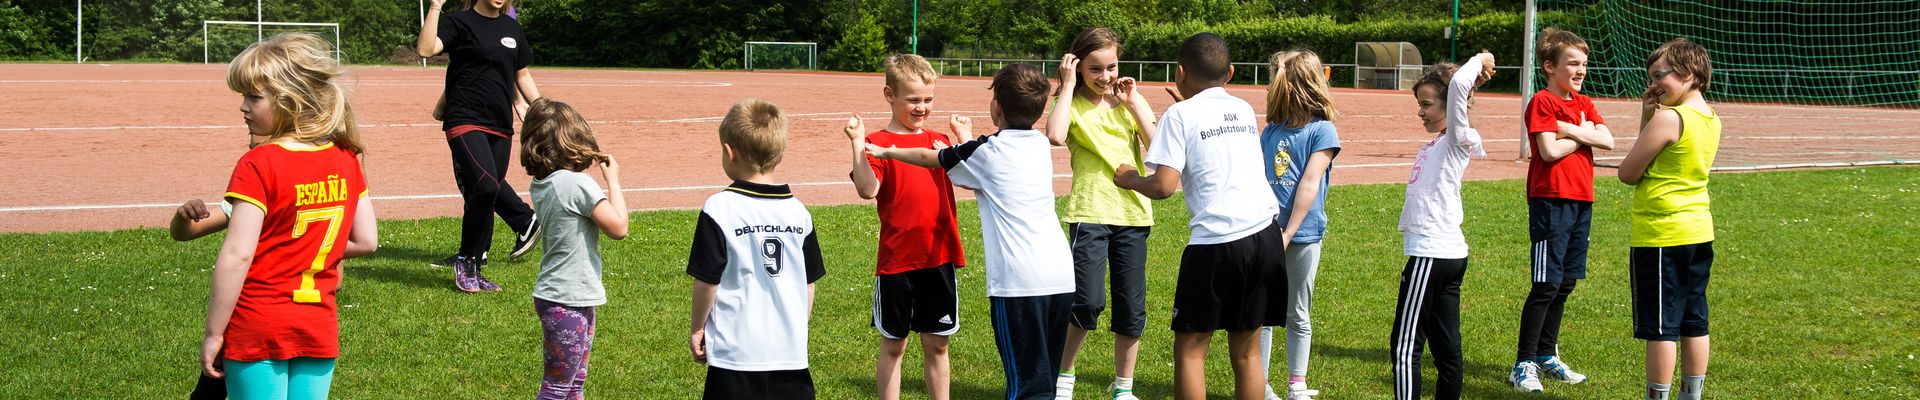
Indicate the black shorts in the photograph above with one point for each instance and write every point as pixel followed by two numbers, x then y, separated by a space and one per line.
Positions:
pixel 922 300
pixel 724 383
pixel 1225 286
pixel 1670 291
pixel 1558 229
pixel 1100 251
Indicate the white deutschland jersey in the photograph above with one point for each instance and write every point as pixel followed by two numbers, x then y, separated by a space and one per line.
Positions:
pixel 756 243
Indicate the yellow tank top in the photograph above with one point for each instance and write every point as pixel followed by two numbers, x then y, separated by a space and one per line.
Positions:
pixel 1670 205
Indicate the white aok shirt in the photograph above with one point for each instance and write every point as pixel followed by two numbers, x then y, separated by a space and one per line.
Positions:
pixel 1011 174
pixel 1213 139
pixel 1430 219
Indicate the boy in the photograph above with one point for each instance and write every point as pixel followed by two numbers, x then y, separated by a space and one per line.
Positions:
pixel 1565 128
pixel 1029 268
pixel 1672 235
pixel 754 261
pixel 1210 144
pixel 1429 302
pixel 919 237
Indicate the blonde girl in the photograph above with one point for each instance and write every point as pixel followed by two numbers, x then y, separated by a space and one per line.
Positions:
pixel 1299 144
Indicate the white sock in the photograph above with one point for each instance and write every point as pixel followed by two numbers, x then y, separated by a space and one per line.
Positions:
pixel 1691 386
pixel 1657 391
pixel 1123 383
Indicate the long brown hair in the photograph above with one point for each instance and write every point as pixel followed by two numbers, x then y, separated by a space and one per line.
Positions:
pixel 1091 40
pixel 296 71
pixel 555 137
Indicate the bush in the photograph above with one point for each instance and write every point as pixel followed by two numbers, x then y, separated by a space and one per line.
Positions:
pixel 862 47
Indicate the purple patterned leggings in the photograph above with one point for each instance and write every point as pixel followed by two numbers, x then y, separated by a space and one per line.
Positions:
pixel 569 338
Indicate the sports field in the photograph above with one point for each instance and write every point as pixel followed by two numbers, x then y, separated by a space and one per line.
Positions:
pixel 1811 298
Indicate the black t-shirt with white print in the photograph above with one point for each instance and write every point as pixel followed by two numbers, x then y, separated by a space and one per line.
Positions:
pixel 486 55
pixel 756 243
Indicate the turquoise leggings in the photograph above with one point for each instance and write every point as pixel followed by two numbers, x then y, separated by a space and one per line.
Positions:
pixel 293 379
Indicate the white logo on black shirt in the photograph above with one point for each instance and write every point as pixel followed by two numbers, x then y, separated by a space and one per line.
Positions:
pixel 507 41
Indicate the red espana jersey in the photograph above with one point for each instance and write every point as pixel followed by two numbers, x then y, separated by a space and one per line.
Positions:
pixel 286 307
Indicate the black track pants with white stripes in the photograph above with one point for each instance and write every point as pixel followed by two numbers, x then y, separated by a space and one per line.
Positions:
pixel 1428 312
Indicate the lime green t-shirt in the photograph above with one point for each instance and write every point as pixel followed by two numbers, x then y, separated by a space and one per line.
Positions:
pixel 1099 140
pixel 1670 205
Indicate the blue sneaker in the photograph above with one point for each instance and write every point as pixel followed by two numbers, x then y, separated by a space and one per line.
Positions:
pixel 1525 377
pixel 1557 369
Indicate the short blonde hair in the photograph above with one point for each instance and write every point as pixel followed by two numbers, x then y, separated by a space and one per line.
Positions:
pixel 901 67
pixel 1299 89
pixel 554 137
pixel 757 132
pixel 1686 58
pixel 296 72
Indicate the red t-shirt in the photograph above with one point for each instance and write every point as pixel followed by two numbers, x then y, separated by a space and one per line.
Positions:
pixel 1570 177
pixel 917 225
pixel 286 307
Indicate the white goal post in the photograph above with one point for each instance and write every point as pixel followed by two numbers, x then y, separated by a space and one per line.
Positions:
pixel 811 58
pixel 205 44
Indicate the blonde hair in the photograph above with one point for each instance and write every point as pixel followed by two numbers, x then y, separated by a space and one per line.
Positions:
pixel 1299 89
pixel 296 72
pixel 555 137
pixel 901 67
pixel 1556 41
pixel 757 132
pixel 1686 58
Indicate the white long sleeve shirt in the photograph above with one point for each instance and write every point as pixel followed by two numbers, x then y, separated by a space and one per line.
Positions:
pixel 1430 219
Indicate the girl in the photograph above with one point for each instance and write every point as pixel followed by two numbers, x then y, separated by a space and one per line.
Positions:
pixel 488 56
pixel 1429 301
pixel 555 149
pixel 1104 122
pixel 300 206
pixel 1299 143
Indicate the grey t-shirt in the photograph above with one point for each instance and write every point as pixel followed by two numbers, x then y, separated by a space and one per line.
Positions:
pixel 570 264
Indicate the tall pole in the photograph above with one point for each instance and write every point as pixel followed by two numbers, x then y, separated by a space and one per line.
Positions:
pixel 1453 49
pixel 77 17
pixel 259 31
pixel 915 40
pixel 1526 74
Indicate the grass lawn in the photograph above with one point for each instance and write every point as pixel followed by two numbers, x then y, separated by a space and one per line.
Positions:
pixel 1813 297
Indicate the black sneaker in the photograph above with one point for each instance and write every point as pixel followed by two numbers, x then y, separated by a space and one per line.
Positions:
pixel 525 240
pixel 448 262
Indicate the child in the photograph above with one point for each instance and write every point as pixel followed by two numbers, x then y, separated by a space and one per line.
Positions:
pixel 1429 303
pixel 919 237
pixel 1564 128
pixel 1672 235
pixel 1209 143
pixel 1298 144
pixel 1028 280
pixel 556 147
pixel 1104 124
pixel 272 325
pixel 755 258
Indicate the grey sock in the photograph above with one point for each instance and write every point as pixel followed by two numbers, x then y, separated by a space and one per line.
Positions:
pixel 1691 386
pixel 1657 391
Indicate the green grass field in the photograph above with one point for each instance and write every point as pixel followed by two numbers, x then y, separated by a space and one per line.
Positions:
pixel 1813 297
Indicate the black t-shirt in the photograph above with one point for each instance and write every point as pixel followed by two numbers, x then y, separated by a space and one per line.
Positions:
pixel 486 55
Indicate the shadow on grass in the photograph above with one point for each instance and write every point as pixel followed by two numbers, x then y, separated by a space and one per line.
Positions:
pixel 1482 380
pixel 958 389
pixel 402 265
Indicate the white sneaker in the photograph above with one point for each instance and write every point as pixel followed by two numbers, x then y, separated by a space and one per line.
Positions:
pixel 1063 387
pixel 1299 391
pixel 1271 395
pixel 1118 394
pixel 1525 377
pixel 1557 369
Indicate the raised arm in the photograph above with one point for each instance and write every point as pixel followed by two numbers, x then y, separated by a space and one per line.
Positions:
pixel 193 221
pixel 924 158
pixel 1142 111
pixel 428 45
pixel 610 214
pixel 1472 74
pixel 1655 135
pixel 864 183
pixel 1062 114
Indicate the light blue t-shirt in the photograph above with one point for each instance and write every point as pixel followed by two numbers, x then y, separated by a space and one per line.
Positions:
pixel 1287 151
